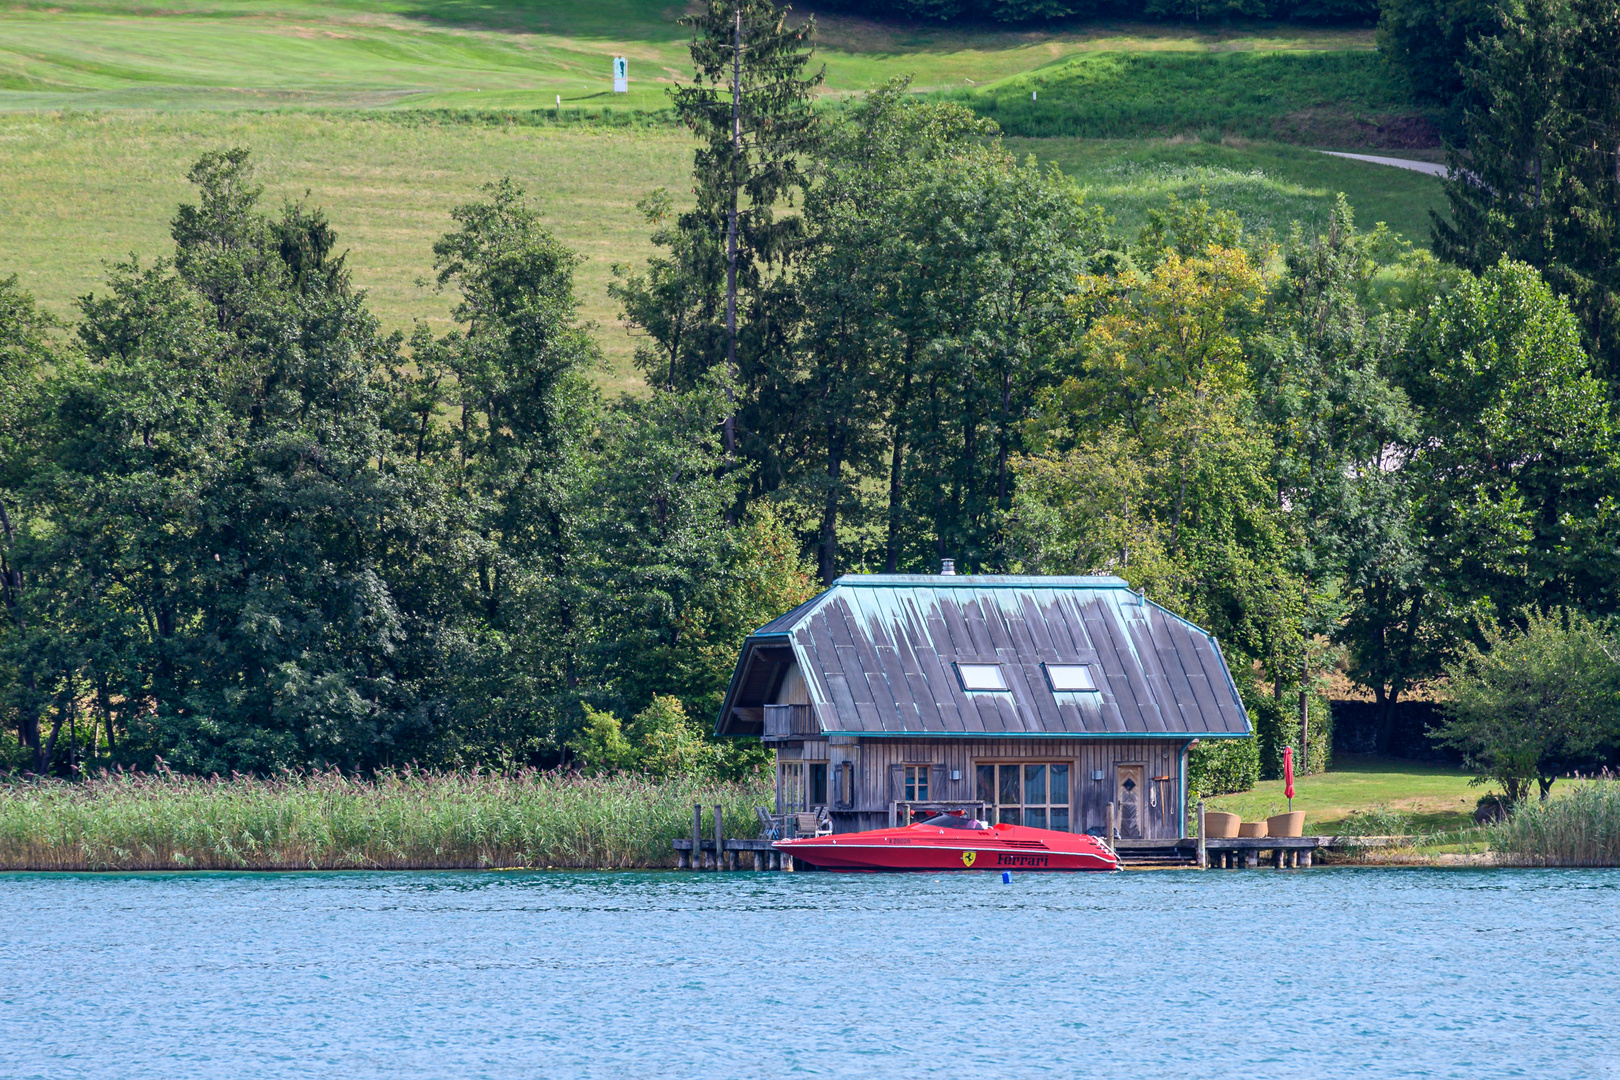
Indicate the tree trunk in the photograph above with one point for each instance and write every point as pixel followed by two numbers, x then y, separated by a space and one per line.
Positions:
pixel 891 554
pixel 104 699
pixel 1304 716
pixel 42 757
pixel 28 720
pixel 829 511
pixel 1387 700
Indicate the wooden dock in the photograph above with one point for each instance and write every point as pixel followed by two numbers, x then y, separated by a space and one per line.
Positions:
pixel 721 852
pixel 739 854
pixel 1292 852
pixel 1278 851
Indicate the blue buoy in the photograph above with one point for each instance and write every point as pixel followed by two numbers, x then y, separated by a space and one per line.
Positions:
pixel 1006 877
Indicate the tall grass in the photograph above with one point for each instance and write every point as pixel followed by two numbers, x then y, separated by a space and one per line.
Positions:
pixel 407 820
pixel 1580 829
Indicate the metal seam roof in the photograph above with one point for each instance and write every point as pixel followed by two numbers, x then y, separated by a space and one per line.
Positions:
pixel 877 652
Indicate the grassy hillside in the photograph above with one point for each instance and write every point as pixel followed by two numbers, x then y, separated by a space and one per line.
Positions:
pixel 78 190
pixel 370 106
pixel 1269 185
pixel 190 54
pixel 84 188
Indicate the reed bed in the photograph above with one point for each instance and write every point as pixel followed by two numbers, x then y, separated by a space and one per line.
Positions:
pixel 404 820
pixel 1580 829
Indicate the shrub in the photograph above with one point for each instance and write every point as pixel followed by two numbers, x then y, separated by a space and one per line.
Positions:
pixel 1535 703
pixel 600 745
pixel 1222 766
pixel 1276 724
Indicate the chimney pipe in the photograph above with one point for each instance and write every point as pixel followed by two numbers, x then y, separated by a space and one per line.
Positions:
pixel 947 568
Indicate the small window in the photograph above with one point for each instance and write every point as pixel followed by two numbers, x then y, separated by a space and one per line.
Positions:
pixel 981 676
pixel 818 784
pixel 916 783
pixel 1069 677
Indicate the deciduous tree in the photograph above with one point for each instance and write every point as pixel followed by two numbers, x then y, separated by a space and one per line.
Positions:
pixel 1535 700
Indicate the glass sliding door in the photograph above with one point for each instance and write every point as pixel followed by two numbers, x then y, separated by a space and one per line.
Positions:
pixel 1032 793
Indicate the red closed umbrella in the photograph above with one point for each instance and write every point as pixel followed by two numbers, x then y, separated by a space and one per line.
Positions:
pixel 1288 775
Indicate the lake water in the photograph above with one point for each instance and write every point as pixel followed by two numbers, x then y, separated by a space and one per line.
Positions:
pixel 1252 974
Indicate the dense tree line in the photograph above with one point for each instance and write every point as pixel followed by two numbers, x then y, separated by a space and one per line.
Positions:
pixel 245 529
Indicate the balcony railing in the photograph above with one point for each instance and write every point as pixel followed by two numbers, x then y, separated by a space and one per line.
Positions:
pixel 790 722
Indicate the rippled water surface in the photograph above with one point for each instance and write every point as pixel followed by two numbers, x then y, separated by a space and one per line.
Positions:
pixel 1320 973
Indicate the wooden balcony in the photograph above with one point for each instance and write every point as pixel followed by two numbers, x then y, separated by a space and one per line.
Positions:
pixel 790 722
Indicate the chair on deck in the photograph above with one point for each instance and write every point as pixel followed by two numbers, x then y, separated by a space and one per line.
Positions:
pixel 814 823
pixel 770 828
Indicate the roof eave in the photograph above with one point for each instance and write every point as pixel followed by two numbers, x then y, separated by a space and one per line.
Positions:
pixel 1186 736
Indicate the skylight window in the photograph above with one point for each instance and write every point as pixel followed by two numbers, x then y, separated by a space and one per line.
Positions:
pixel 1069 677
pixel 981 676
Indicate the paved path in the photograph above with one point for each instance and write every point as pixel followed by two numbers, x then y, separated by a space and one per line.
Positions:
pixel 1429 168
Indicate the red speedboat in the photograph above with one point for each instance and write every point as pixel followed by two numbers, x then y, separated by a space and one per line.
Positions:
pixel 953 842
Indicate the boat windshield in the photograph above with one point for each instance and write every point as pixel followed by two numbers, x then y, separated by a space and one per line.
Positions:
pixel 956 821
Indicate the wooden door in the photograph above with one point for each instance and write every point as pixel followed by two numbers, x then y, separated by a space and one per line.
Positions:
pixel 1129 794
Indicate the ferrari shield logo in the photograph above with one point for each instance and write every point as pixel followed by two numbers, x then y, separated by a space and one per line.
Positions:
pixel 968 857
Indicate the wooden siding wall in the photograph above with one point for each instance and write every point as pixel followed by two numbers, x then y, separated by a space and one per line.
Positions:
pixel 873 758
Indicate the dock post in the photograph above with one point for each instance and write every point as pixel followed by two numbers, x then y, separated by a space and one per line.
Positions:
pixel 1113 825
pixel 719 837
pixel 1305 859
pixel 1203 854
pixel 1277 855
pixel 1251 858
pixel 787 862
pixel 759 863
pixel 697 836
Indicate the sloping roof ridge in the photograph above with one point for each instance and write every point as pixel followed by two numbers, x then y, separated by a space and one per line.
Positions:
pixel 785 622
pixel 979 581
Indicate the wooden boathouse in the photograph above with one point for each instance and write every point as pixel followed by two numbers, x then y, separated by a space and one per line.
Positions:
pixel 1035 700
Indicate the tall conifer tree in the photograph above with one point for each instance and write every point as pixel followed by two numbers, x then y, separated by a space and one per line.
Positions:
pixel 750 104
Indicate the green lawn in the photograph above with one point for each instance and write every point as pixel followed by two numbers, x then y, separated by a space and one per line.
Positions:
pixel 1270 185
pixel 460 54
pixel 1433 797
pixel 78 190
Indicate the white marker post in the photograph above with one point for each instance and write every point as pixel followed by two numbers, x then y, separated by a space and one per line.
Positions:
pixel 621 75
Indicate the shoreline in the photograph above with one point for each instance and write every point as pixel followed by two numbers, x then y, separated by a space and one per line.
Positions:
pixel 1485 860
